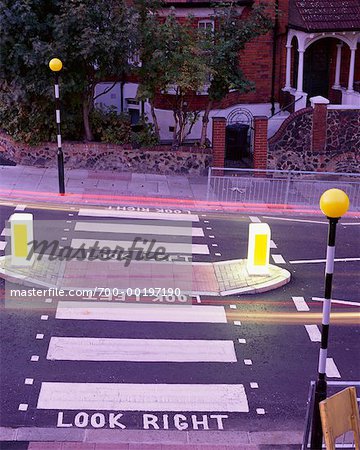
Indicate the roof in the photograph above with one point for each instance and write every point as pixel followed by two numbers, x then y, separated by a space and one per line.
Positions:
pixel 325 15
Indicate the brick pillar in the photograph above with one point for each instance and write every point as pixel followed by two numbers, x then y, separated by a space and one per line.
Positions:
pixel 318 138
pixel 218 141
pixel 260 142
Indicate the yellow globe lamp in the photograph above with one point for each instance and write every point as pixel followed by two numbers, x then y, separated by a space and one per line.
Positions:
pixel 334 203
pixel 55 65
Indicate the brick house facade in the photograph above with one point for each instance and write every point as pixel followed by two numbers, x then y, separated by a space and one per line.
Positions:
pixel 312 50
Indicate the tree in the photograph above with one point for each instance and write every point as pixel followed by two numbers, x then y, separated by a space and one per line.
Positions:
pixel 221 51
pixel 94 40
pixel 172 62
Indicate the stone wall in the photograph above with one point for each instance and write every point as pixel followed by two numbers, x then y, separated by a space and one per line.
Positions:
pixel 343 140
pixel 100 156
pixel 294 147
pixel 290 147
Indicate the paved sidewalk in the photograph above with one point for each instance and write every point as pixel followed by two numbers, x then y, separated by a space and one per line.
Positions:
pixel 212 279
pixel 20 181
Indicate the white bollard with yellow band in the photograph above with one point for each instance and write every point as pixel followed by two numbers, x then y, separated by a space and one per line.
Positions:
pixel 258 249
pixel 22 234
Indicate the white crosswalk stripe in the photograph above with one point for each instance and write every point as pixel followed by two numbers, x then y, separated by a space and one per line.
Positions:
pixel 101 344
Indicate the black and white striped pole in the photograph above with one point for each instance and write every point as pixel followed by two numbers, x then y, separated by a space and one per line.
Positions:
pixel 56 65
pixel 333 203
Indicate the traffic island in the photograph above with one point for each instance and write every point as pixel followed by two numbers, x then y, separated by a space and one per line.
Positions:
pixel 212 279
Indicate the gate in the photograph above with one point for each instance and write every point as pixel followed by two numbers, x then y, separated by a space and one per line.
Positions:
pixel 239 132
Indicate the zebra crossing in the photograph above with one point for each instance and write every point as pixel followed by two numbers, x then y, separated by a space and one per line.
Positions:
pixel 110 364
pixel 70 397
pixel 110 228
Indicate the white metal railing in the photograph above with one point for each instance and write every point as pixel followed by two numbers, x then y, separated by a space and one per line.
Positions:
pixel 279 187
pixel 347 440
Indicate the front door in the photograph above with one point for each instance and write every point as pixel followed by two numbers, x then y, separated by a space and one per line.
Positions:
pixel 316 69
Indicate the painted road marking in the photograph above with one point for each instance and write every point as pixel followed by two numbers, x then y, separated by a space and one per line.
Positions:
pixel 237 322
pixel 23 407
pixel 260 410
pixel 34 358
pixel 143 397
pixel 170 247
pixel 39 336
pixel 278 259
pixel 272 244
pixel 44 317
pixel 154 350
pixel 350 223
pixel 254 385
pixel 254 219
pixel 242 341
pixel 310 261
pixel 295 220
pixel 248 362
pixel 331 369
pixel 135 228
pixel 3 244
pixel 340 302
pixel 20 208
pixel 141 313
pixel 138 215
pixel 313 332
pixel 233 306
pixel 6 232
pixel 29 380
pixel 300 304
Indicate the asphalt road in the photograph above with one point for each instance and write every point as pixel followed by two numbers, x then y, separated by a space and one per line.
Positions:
pixel 275 357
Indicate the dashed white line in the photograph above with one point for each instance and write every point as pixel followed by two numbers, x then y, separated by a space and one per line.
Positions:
pixel 66 229
pixel 44 317
pixel 64 238
pixel 214 245
pixel 331 369
pixel 254 385
pixel 254 219
pixel 29 380
pixel 212 237
pixel 34 358
pixel 237 322
pixel 313 332
pixel 233 306
pixel 260 410
pixel 23 407
pixel 300 304
pixel 48 300
pixel 248 362
pixel 242 341
pixel 278 259
pixel 39 336
pixel 272 244
pixel 217 254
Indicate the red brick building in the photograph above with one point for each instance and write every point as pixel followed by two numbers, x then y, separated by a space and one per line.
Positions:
pixel 312 50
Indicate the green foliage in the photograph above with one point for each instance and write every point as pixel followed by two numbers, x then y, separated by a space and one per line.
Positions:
pixel 93 39
pixel 111 127
pixel 143 134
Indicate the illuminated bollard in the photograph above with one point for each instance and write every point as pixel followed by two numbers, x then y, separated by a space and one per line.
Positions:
pixel 22 234
pixel 258 249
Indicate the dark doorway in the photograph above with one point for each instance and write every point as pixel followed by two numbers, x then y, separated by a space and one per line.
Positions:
pixel 238 135
pixel 317 68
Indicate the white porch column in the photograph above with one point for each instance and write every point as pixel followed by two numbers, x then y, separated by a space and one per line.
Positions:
pixel 288 67
pixel 338 66
pixel 300 76
pixel 351 70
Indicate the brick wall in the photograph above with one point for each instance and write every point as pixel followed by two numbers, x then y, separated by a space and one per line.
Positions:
pixel 218 141
pixel 260 142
